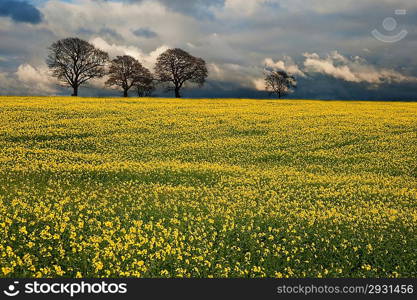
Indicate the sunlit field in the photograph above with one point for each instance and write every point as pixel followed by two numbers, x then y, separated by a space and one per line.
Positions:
pixel 207 188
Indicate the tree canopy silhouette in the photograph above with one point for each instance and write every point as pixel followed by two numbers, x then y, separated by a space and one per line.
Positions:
pixel 145 87
pixel 176 67
pixel 127 72
pixel 74 62
pixel 280 83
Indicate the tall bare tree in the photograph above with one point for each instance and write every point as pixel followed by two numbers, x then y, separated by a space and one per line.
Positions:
pixel 126 72
pixel 74 62
pixel 176 67
pixel 280 83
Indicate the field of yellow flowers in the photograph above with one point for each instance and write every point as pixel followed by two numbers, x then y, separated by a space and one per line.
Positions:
pixel 207 188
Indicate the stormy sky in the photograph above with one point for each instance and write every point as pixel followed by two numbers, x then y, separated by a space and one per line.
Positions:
pixel 345 49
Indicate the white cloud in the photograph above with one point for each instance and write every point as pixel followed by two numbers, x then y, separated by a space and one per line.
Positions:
pixel 314 64
pixel 332 6
pixel 287 64
pixel 242 7
pixel 8 84
pixel 93 15
pixel 35 79
pixel 244 75
pixel 147 59
pixel 355 69
pixel 28 80
pixel 259 84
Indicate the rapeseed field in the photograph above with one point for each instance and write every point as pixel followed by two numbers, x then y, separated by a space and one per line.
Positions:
pixel 95 187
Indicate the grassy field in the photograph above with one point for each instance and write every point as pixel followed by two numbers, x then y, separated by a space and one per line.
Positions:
pixel 207 188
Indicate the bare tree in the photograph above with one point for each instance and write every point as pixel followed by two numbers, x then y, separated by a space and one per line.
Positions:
pixel 74 61
pixel 176 66
pixel 126 72
pixel 280 83
pixel 146 86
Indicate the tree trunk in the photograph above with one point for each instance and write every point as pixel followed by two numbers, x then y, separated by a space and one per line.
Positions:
pixel 125 93
pixel 75 92
pixel 177 92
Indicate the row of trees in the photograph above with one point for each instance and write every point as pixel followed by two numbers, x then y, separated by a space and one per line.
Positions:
pixel 74 62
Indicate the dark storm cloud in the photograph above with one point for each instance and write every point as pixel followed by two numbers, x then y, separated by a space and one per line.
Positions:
pixel 195 8
pixel 20 11
pixel 145 32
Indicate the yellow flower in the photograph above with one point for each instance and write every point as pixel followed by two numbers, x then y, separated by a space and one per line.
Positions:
pixel 366 267
pixel 6 270
pixel 23 230
pixel 98 265
pixel 58 270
